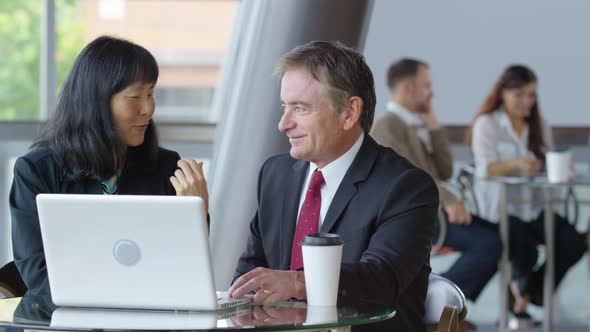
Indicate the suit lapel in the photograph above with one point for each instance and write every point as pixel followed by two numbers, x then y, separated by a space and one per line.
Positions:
pixel 290 206
pixel 357 172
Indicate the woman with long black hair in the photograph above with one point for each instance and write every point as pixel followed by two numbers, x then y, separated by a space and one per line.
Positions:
pixel 509 138
pixel 100 140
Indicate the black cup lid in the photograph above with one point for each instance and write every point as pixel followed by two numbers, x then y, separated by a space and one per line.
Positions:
pixel 322 239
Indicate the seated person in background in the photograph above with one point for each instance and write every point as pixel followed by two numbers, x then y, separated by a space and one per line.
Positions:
pixel 509 138
pixel 100 140
pixel 411 128
pixel 382 206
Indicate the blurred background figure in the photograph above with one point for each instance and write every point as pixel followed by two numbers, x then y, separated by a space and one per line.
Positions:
pixel 411 128
pixel 509 138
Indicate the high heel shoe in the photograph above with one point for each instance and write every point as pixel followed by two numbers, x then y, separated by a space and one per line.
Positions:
pixel 520 319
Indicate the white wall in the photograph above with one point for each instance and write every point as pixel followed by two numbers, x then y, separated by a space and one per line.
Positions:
pixel 468 43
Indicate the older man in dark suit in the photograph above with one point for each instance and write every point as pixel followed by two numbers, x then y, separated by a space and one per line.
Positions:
pixel 382 206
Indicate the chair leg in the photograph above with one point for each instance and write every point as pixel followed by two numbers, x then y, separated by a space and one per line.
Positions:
pixel 6 291
pixel 11 283
pixel 449 320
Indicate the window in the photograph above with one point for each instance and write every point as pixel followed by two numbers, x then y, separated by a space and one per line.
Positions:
pixel 184 103
pixel 19 59
pixel 188 39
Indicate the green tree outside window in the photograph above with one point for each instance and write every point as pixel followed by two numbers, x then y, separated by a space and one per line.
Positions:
pixel 20 31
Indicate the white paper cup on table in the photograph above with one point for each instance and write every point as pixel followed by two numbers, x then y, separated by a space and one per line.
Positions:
pixel 322 255
pixel 558 165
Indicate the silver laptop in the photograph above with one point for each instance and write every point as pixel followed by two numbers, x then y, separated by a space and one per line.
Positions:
pixel 141 252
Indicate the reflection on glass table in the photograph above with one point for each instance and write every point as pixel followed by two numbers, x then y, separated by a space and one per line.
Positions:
pixel 35 312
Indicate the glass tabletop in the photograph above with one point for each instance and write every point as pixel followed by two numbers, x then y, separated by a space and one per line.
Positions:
pixel 34 312
pixel 541 180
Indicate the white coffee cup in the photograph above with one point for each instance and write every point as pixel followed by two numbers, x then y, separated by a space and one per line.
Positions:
pixel 322 255
pixel 558 165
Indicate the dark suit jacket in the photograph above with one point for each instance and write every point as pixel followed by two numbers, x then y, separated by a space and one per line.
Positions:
pixel 384 210
pixel 38 172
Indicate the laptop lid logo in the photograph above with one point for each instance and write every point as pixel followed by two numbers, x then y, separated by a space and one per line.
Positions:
pixel 126 252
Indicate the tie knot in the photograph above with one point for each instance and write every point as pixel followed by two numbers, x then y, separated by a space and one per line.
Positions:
pixel 317 180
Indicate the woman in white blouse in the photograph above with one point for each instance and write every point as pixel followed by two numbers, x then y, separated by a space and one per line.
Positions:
pixel 509 138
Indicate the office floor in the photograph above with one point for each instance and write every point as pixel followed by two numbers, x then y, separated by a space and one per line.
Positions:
pixel 572 303
pixel 557 328
pixel 572 300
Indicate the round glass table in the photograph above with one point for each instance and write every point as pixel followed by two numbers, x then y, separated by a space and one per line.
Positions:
pixel 39 313
pixel 548 200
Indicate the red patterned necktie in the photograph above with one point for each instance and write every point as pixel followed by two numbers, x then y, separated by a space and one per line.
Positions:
pixel 308 217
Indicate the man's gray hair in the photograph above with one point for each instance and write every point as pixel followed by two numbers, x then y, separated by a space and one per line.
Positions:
pixel 341 70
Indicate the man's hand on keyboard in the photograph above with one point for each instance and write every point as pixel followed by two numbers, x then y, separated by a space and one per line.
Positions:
pixel 270 285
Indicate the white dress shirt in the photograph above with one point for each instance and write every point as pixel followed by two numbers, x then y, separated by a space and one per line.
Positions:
pixel 414 120
pixel 333 174
pixel 495 140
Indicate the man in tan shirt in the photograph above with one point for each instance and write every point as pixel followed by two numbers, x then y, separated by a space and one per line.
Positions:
pixel 411 128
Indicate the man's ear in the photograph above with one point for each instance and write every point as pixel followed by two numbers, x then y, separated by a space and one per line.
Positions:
pixel 352 112
pixel 407 86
